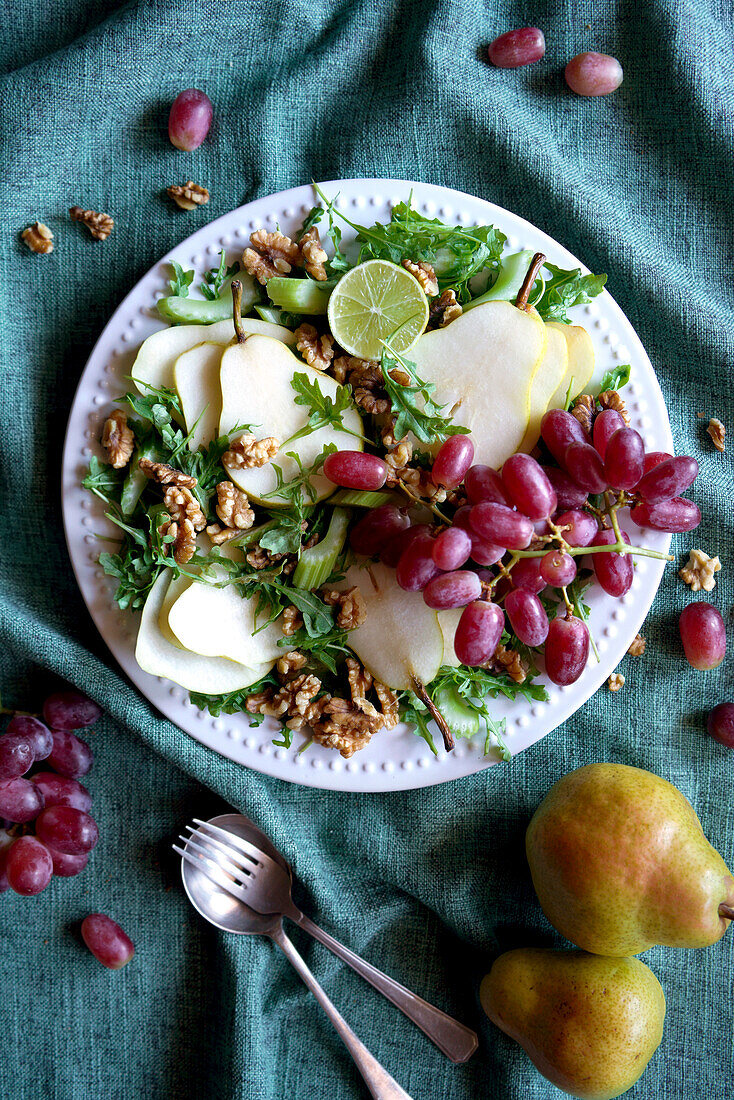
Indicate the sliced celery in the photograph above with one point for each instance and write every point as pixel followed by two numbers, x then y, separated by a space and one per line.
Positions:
pixel 269 313
pixel 201 311
pixel 316 564
pixel 463 721
pixel 135 480
pixel 509 279
pixel 298 295
pixel 359 498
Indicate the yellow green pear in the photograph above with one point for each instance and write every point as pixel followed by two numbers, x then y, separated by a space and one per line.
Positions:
pixel 619 863
pixel 590 1024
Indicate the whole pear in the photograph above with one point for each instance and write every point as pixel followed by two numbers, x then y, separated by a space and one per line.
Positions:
pixel 620 863
pixel 590 1024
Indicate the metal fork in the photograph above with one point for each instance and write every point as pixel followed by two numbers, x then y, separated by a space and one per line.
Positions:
pixel 253 877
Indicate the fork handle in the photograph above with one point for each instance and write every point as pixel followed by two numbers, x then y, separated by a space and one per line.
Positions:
pixel 457 1041
pixel 379 1082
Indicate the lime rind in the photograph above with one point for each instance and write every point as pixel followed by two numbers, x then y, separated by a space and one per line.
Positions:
pixel 377 301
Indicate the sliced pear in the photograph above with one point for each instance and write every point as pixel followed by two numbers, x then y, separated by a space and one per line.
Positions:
pixel 158 656
pixel 196 378
pixel 219 622
pixel 449 621
pixel 153 365
pixel 547 379
pixel 256 389
pixel 401 637
pixel 483 366
pixel 580 362
pixel 175 589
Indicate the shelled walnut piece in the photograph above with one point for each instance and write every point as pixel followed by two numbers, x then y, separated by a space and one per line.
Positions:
pixel 365 378
pixel 234 512
pixel 313 256
pixel 270 254
pixel 699 570
pixel 443 310
pixel 39 238
pixel 317 350
pixel 165 474
pixel 248 452
pixel 616 681
pixel 424 275
pixel 99 225
pixel 610 399
pixel 637 646
pixel 117 439
pixel 186 518
pixel 717 431
pixel 350 605
pixel 189 195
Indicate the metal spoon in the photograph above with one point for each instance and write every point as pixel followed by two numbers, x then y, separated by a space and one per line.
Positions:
pixel 231 915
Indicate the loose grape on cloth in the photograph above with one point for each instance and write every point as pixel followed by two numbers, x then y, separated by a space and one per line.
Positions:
pixel 428 884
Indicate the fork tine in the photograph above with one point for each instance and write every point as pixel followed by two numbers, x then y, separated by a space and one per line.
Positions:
pixel 233 854
pixel 212 871
pixel 226 864
pixel 242 845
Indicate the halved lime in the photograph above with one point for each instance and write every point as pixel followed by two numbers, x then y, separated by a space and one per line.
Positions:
pixel 377 301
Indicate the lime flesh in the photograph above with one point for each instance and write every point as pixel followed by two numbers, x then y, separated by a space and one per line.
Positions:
pixel 374 302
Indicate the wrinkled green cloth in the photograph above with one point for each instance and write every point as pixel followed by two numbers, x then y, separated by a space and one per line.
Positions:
pixel 427 884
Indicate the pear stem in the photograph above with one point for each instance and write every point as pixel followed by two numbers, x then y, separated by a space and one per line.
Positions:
pixel 726 911
pixel 237 311
pixel 420 689
pixel 535 265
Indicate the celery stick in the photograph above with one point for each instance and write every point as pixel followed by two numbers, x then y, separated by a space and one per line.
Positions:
pixel 298 295
pixel 316 564
pixel 359 498
pixel 508 282
pixel 202 311
pixel 464 722
pixel 269 313
pixel 135 480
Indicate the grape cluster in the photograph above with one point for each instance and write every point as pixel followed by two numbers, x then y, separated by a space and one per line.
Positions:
pixel 51 800
pixel 523 529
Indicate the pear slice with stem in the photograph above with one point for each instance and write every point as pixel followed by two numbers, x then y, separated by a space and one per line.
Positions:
pixel 547 379
pixel 153 366
pixel 196 377
pixel 449 620
pixel 580 363
pixel 159 656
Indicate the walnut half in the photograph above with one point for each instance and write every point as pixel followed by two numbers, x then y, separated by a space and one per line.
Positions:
pixel 117 439
pixel 39 238
pixel 99 225
pixel 189 195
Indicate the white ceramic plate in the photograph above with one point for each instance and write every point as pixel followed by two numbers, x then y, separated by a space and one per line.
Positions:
pixel 397 759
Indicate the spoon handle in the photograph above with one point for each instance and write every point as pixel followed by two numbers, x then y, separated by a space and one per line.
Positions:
pixel 379 1082
pixel 457 1041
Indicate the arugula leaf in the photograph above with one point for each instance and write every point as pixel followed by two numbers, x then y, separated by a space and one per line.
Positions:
pixel 565 289
pixel 294 489
pixel 417 412
pixel 413 711
pixel 615 378
pixel 181 281
pixel 327 649
pixel 232 702
pixel 324 412
pixel 214 279
pixel 313 217
pixel 104 481
pixel 317 616
pixel 285 536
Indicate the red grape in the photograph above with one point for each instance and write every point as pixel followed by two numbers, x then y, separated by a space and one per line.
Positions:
pixel 416 566
pixel 455 589
pixel 582 527
pixel 28 866
pixel 70 755
pixel 499 525
pixel 67 830
pixel 720 724
pixel 482 551
pixel 614 572
pixel 30 729
pixel 355 470
pixel 106 940
pixel 65 865
pixel 606 424
pixel 189 119
pixel 590 74
pixel 668 479
pixel 452 548
pixel 484 483
pixel 20 800
pixel 59 790
pixel 453 459
pixel 566 650
pixel 525 573
pixel 557 568
pixel 527 616
pixel 392 551
pixel 375 529
pixel 674 515
pixel 654 458
pixel 478 632
pixel 70 710
pixel 583 462
pixel 6 843
pixel 16 756
pixel 703 635
pixel 568 493
pixel 624 459
pixel 559 429
pixel 516 48
pixel 530 490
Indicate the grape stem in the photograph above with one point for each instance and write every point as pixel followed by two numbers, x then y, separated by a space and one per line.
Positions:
pixel 524 293
pixel 237 311
pixel 22 713
pixel 426 504
pixel 726 911
pixel 420 690
pixel 618 547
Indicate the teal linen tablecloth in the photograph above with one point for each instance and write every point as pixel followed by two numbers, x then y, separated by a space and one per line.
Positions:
pixel 427 884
